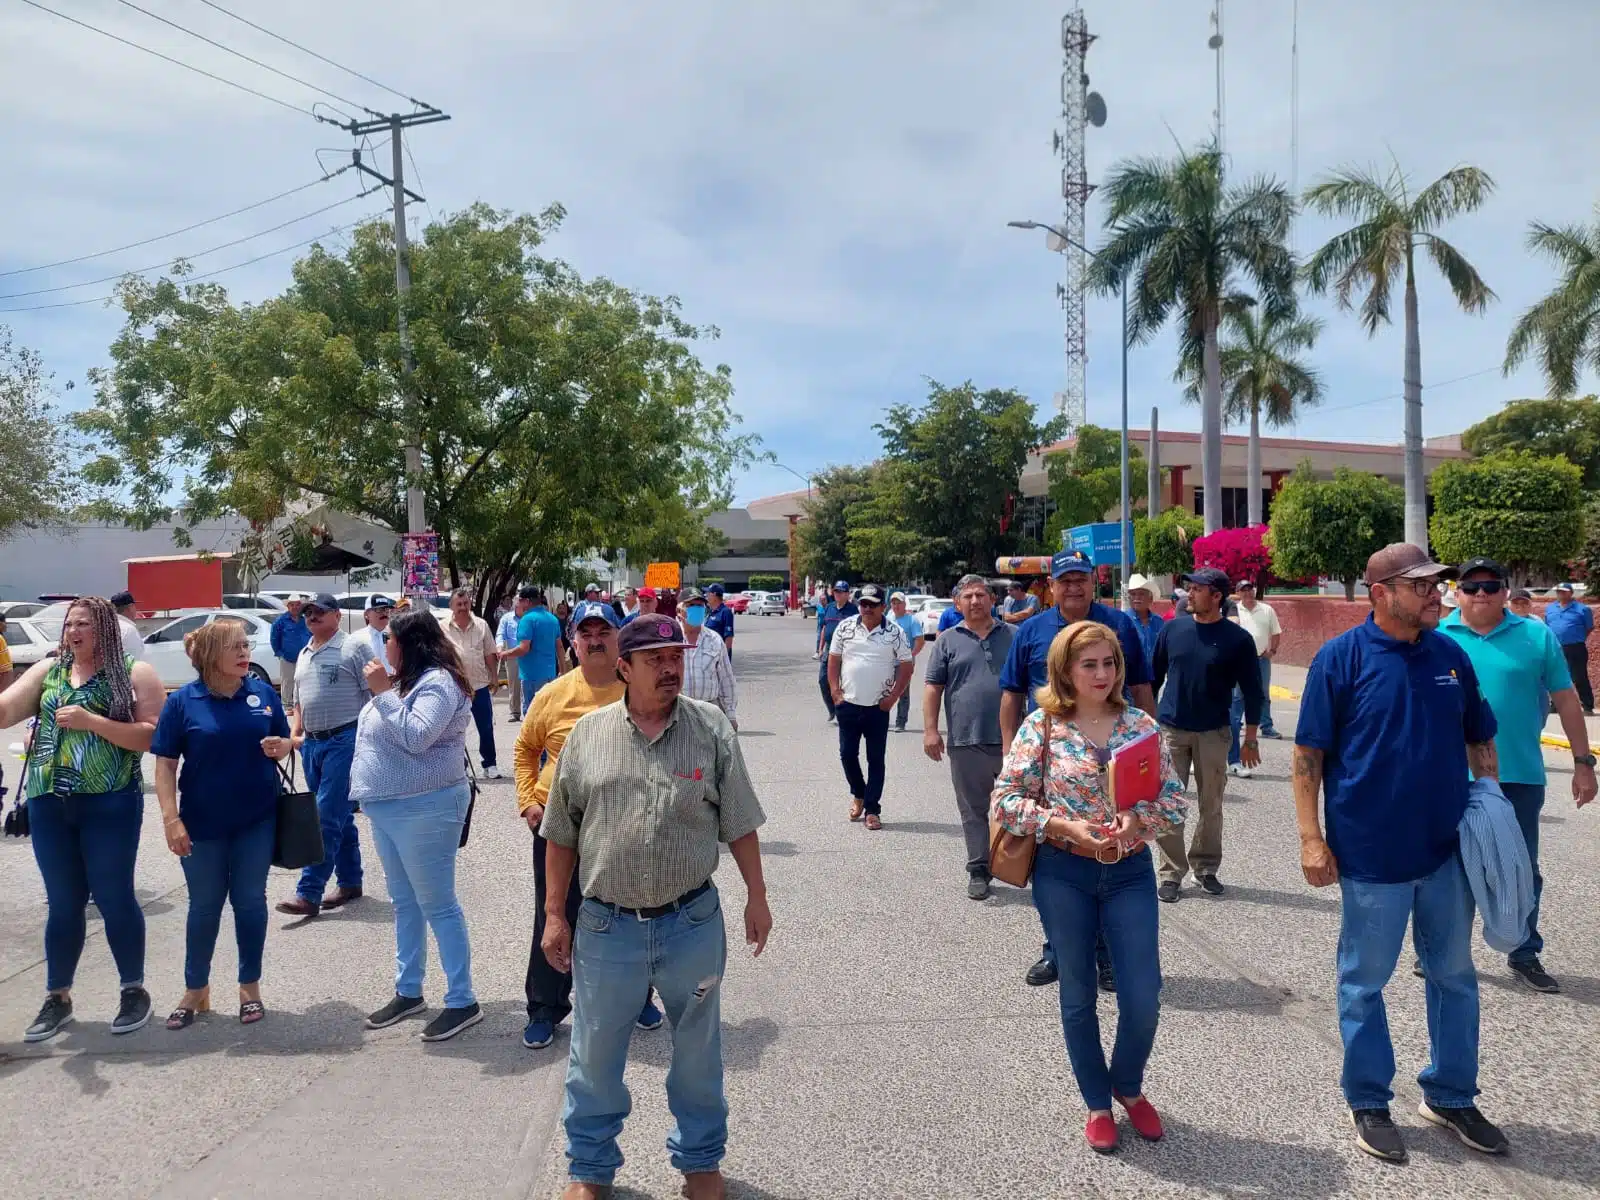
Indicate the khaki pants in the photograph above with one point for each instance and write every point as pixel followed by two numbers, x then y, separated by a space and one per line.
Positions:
pixel 514 680
pixel 286 681
pixel 1207 753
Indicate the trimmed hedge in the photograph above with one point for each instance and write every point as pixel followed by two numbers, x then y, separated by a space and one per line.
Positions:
pixel 1518 508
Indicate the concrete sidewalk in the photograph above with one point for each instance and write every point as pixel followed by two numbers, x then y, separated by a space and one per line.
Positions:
pixel 884 1046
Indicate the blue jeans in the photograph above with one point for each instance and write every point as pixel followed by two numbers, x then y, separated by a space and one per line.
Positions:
pixel 327 767
pixel 1372 929
pixel 616 960
pixel 1528 801
pixel 417 839
pixel 822 683
pixel 483 718
pixel 1236 710
pixel 232 868
pixel 85 846
pixel 530 689
pixel 1079 900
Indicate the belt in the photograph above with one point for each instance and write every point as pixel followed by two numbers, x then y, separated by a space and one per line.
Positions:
pixel 661 910
pixel 1116 850
pixel 322 735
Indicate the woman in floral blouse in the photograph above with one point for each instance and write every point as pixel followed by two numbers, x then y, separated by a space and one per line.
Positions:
pixel 1093 873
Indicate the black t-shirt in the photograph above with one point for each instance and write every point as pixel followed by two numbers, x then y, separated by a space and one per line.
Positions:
pixel 1201 664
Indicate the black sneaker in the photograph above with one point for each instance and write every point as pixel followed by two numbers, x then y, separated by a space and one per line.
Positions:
pixel 395 1011
pixel 52 1018
pixel 1167 893
pixel 1041 973
pixel 1377 1135
pixel 451 1022
pixel 133 1012
pixel 1469 1125
pixel 1106 977
pixel 1210 885
pixel 1531 971
pixel 1416 968
pixel 977 886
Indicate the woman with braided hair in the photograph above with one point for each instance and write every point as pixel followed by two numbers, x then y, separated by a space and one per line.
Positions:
pixel 97 710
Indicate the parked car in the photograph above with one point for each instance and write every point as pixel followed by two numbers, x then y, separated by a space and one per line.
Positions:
pixel 767 604
pixel 19 608
pixel 253 600
pixel 27 642
pixel 163 647
pixel 934 608
pixel 915 601
pixel 738 601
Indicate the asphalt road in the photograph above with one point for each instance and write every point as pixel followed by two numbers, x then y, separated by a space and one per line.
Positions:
pixel 884 1046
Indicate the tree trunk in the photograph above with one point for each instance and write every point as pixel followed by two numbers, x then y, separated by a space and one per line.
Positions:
pixel 1349 589
pixel 1416 485
pixel 1252 467
pixel 1211 427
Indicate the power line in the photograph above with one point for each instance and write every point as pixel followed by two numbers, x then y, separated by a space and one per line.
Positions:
pixel 208 274
pixel 67 262
pixel 239 54
pixel 321 57
pixel 1401 395
pixel 417 171
pixel 179 62
pixel 67 287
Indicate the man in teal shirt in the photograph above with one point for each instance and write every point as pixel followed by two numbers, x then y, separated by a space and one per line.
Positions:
pixel 537 651
pixel 1517 659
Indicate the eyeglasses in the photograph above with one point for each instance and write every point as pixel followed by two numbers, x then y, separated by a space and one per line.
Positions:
pixel 869 604
pixel 1489 587
pixel 1418 587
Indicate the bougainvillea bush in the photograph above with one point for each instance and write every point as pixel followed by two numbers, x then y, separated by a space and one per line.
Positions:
pixel 1242 553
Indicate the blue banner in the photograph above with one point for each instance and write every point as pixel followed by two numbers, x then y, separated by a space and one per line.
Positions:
pixel 1102 542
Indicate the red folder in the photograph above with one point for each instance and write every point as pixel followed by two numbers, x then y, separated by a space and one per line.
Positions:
pixel 1134 773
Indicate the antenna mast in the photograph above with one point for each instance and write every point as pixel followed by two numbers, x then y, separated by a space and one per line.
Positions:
pixel 1075 188
pixel 1215 42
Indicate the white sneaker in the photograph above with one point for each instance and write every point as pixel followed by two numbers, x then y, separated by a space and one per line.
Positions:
pixel 1244 772
pixel 492 773
pixel 1235 769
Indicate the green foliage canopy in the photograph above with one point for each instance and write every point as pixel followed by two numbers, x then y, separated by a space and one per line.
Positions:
pixel 1516 507
pixel 1329 528
pixel 1545 427
pixel 1164 545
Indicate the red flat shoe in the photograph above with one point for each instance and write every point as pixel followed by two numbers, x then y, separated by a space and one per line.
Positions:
pixel 1144 1118
pixel 1101 1133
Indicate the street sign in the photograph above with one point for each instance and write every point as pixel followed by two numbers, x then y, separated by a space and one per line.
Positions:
pixel 662 575
pixel 1102 542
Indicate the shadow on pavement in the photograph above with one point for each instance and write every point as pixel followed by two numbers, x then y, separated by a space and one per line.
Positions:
pixel 1579 988
pixel 737 1190
pixel 1571 1156
pixel 1240 1166
pixel 743 1044
pixel 780 849
pixel 1003 894
pixel 1278 899
pixel 1190 993
pixel 939 827
pixel 496 1042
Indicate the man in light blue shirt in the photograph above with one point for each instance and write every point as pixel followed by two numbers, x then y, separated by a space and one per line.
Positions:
pixel 1518 661
pixel 1572 623
pixel 506 635
pixel 911 625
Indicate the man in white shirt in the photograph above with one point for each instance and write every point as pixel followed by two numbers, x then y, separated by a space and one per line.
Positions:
pixel 474 643
pixel 707 671
pixel 376 631
pixel 869 669
pixel 1261 622
pixel 132 639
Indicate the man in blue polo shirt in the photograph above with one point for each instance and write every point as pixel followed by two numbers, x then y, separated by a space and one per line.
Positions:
pixel 1072 589
pixel 719 617
pixel 1391 721
pixel 1519 662
pixel 828 618
pixel 1572 623
pixel 538 641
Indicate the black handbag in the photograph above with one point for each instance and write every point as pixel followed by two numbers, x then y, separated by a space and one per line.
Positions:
pixel 472 800
pixel 298 842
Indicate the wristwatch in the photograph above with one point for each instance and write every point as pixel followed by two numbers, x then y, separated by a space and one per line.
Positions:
pixel 1584 760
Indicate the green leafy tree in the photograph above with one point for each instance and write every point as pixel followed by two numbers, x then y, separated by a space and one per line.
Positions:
pixel 1570 428
pixel 1085 480
pixel 1515 507
pixel 1564 327
pixel 1185 239
pixel 880 537
pixel 1589 564
pixel 767 583
pixel 821 542
pixel 1164 544
pixel 1329 528
pixel 1391 224
pixel 38 453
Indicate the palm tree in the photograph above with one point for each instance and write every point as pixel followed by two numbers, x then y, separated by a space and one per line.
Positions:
pixel 1184 237
pixel 1262 375
pixel 1565 325
pixel 1391 224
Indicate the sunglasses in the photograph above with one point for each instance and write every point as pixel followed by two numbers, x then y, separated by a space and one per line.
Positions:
pixel 869 603
pixel 1489 587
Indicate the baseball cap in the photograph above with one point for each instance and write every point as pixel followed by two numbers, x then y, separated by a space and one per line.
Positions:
pixel 691 595
pixel 1065 562
pixel 1246 583
pixel 900 596
pixel 1210 577
pixel 715 590
pixel 647 633
pixel 588 610
pixel 1520 594
pixel 1402 560
pixel 591 587
pixel 121 598
pixel 1563 587
pixel 871 593
pixel 379 600
pixel 324 601
pixel 647 593
pixel 1481 564
pixel 842 585
pixel 1137 582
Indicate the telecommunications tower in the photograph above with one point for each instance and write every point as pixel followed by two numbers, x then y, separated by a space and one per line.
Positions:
pixel 1079 108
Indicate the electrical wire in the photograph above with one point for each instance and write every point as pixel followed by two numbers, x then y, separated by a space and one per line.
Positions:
pixel 67 262
pixel 1401 395
pixel 210 274
pixel 416 173
pixel 321 57
pixel 67 287
pixel 253 61
pixel 179 62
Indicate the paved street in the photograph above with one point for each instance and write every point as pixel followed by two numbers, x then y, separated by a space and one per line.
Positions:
pixel 884 1046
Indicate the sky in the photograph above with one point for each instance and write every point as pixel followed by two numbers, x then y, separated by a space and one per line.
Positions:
pixel 827 183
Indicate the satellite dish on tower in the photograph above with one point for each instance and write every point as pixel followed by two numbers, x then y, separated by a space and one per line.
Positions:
pixel 1214 41
pixel 1094 109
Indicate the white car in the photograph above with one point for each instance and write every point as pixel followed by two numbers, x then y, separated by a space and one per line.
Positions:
pixel 766 604
pixel 930 612
pixel 253 600
pixel 28 642
pixel 20 608
pixel 163 648
pixel 916 600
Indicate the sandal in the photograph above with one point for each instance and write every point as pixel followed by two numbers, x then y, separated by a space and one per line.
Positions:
pixel 873 821
pixel 857 807
pixel 251 1011
pixel 181 1018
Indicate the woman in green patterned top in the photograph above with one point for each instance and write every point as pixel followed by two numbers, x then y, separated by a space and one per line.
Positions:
pixel 97 711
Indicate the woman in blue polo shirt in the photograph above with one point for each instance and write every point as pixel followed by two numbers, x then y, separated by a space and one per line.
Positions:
pixel 220 814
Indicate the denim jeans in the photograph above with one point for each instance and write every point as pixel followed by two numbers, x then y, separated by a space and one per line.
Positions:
pixel 822 682
pixel 327 767
pixel 616 959
pixel 902 709
pixel 1528 801
pixel 483 718
pixel 1079 899
pixel 1372 928
pixel 85 846
pixel 417 839
pixel 232 868
pixel 530 689
pixel 1236 710
pixel 858 722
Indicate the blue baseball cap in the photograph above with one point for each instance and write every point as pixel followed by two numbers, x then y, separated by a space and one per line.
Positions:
pixel 842 585
pixel 1067 562
pixel 591 609
pixel 715 590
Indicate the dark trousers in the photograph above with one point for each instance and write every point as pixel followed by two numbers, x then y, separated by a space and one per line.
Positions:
pixel 85 846
pixel 822 682
pixel 1577 655
pixel 483 718
pixel 858 723
pixel 1527 800
pixel 230 868
pixel 548 990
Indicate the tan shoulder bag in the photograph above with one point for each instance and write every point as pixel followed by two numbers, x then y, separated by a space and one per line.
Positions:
pixel 1010 854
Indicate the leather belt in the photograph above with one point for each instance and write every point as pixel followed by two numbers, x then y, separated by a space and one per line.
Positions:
pixel 1116 851
pixel 322 735
pixel 661 910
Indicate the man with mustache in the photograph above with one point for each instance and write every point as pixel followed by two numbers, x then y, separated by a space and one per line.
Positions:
pixel 550 718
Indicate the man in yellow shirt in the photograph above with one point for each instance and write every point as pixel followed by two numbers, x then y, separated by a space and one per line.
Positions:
pixel 549 719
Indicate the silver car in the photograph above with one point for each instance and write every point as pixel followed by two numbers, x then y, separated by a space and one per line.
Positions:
pixel 766 604
pixel 163 648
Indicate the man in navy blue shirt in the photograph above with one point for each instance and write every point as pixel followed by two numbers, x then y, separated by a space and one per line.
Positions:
pixel 1072 588
pixel 828 618
pixel 1391 721
pixel 1572 623
pixel 719 617
pixel 289 636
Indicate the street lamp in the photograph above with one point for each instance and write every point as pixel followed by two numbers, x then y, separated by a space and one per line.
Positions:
pixel 794 583
pixel 1057 240
pixel 795 473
